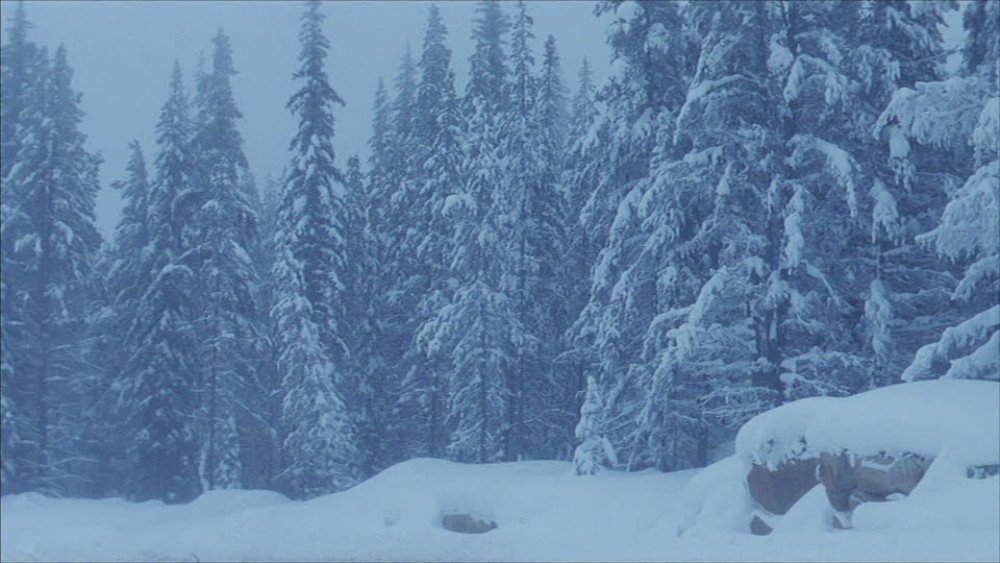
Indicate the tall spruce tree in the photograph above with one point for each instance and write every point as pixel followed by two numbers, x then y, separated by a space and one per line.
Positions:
pixel 932 123
pixel 311 265
pixel 157 398
pixel 487 66
pixel 371 391
pixel 437 136
pixel 50 190
pixel 387 326
pixel 713 371
pixel 578 177
pixel 127 257
pixel 263 445
pixel 624 230
pixel 556 407
pixel 18 69
pixel 222 236
pixel 479 327
pixel 9 415
pixel 518 206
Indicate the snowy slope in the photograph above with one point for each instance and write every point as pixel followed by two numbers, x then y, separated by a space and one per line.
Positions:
pixel 544 514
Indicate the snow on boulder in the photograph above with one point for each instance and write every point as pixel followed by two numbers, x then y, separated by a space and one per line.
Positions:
pixel 778 435
pixel 874 446
pixel 955 419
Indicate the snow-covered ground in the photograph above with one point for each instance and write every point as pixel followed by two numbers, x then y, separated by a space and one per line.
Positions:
pixel 542 510
pixel 545 513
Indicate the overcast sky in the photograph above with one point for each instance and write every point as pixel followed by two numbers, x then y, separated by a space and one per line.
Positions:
pixel 122 53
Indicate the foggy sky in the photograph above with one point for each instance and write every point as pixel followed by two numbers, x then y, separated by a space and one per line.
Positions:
pixel 122 54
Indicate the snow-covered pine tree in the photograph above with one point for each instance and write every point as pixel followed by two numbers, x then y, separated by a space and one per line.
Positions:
pixel 487 66
pixel 843 222
pixel 9 416
pixel 155 386
pixel 479 327
pixel 50 189
pixel 259 414
pixel 380 172
pixel 403 206
pixel 437 136
pixel 712 372
pixel 643 98
pixel 945 118
pixel 530 208
pixel 127 270
pixel 556 406
pixel 396 207
pixel 310 269
pixel 222 235
pixel 552 110
pixel 893 45
pixel 261 442
pixel 520 208
pixel 389 327
pixel 18 63
pixel 581 175
pixel 594 451
pixel 18 69
pixel 482 322
pixel 580 169
pixel 372 393
pixel 798 295
pixel 124 270
pixel 813 213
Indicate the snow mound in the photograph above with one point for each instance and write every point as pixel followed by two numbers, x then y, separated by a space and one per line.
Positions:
pixel 542 512
pixel 715 500
pixel 956 421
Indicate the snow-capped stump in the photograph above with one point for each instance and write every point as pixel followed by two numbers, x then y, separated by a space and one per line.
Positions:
pixel 874 446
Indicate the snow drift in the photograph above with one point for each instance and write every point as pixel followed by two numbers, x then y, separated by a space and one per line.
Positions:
pixel 543 512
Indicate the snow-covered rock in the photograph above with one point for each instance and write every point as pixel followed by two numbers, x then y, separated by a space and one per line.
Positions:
pixel 958 420
pixel 779 489
pixel 874 446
